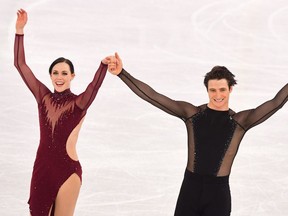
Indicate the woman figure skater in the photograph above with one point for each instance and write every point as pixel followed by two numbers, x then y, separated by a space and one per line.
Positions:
pixel 56 177
pixel 214 135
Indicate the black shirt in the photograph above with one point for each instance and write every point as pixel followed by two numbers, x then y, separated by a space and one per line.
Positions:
pixel 213 136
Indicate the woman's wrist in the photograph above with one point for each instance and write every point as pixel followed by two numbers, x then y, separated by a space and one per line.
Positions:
pixel 20 31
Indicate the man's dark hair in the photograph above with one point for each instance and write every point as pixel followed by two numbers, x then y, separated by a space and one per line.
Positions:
pixel 220 72
pixel 60 60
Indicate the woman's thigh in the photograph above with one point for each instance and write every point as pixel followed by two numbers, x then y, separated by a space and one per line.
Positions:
pixel 67 196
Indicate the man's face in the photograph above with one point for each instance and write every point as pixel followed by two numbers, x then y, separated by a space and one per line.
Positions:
pixel 218 92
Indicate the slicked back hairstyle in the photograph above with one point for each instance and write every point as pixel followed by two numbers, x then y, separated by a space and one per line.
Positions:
pixel 220 72
pixel 60 60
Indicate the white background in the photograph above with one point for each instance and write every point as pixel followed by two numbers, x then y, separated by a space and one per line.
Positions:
pixel 134 155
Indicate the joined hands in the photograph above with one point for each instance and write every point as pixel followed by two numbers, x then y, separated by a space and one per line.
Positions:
pixel 114 63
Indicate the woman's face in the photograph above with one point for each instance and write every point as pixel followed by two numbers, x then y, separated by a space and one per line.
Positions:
pixel 61 76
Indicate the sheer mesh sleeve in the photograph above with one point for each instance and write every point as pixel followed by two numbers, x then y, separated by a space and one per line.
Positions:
pixel 250 118
pixel 35 86
pixel 179 109
pixel 85 99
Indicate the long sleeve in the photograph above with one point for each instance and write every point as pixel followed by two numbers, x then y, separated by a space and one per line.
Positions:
pixel 250 118
pixel 179 109
pixel 85 99
pixel 35 86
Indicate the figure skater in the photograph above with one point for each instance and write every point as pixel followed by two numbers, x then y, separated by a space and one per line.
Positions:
pixel 214 135
pixel 56 178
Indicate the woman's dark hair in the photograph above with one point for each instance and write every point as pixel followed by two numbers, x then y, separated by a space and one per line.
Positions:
pixel 60 60
pixel 220 72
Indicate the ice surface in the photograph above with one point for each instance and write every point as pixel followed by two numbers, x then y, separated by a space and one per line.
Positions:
pixel 134 155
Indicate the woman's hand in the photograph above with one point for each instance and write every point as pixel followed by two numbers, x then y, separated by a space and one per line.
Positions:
pixel 107 60
pixel 21 21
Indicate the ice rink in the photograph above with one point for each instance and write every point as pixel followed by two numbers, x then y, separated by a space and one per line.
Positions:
pixel 132 154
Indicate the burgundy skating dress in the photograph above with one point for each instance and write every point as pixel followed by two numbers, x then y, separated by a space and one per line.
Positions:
pixel 59 114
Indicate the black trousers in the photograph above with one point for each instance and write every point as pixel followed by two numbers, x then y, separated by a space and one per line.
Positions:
pixel 204 196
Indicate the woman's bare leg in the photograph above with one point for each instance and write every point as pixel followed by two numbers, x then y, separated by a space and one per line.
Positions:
pixel 67 196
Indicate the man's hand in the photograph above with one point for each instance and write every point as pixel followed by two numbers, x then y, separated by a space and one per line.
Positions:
pixel 115 66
